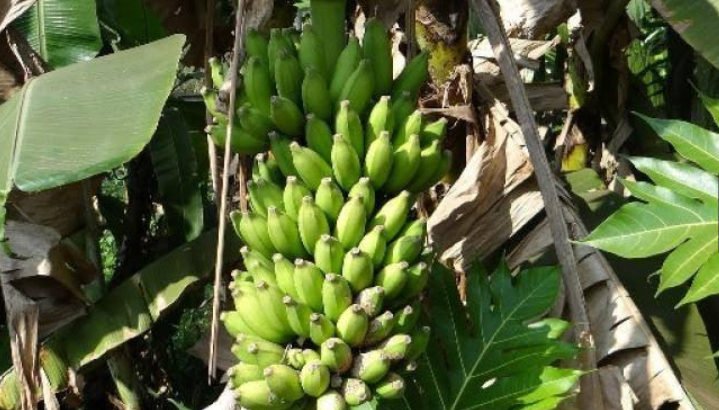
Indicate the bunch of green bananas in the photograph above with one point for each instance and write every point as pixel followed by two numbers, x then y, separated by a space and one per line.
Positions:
pixel 328 306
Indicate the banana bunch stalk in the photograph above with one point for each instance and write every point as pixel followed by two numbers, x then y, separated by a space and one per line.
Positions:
pixel 328 311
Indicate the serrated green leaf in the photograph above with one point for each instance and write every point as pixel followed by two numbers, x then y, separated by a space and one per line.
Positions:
pixel 691 141
pixel 491 353
pixel 63 32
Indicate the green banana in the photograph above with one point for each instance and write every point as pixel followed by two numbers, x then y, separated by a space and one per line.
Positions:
pixel 396 346
pixel 280 147
pixel 351 223
pixel 284 381
pixel 429 162
pixel 355 392
pixel 378 162
pixel 405 162
pixel 434 131
pixel 257 395
pixel 359 87
pixel 242 141
pixel 292 196
pixel 294 356
pixel 266 168
pixel 233 323
pixel 375 245
pixel 371 366
pixel 242 373
pixel 393 278
pixel 312 52
pixel 284 274
pixel 254 121
pixel 310 355
pixel 263 195
pixel 251 255
pixel 284 234
pixel 352 325
pixel 308 282
pixel 217 72
pixel 393 214
pixel 330 199
pixel 328 21
pixel 371 300
pixel 379 328
pixel 298 316
pixel 315 378
pixel 256 45
pixel 331 400
pixel 402 108
pixel 277 45
pixel 288 78
pixel 287 116
pixel 329 254
pixel 348 123
pixel 406 318
pixel 254 350
pixel 336 296
pixel 319 137
pixel 363 189
pixel 312 223
pixel 345 162
pixel 442 169
pixel 252 229
pixel 260 272
pixel 209 96
pixel 315 95
pixel 256 318
pixel 321 328
pixel 391 387
pixel 309 165
pixel 417 227
pixel 378 49
pixel 412 125
pixel 380 119
pixel 348 60
pixel 404 248
pixel 412 77
pixel 257 83
pixel 336 355
pixel 275 310
pixel 420 340
pixel 417 278
pixel 357 268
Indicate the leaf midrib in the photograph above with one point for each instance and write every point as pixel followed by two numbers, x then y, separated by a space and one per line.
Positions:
pixel 41 33
pixel 489 343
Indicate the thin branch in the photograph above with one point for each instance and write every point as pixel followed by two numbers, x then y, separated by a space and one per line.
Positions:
pixel 590 396
pixel 234 66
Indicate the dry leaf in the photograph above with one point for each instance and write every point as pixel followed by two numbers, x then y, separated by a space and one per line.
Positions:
pixel 225 358
pixel 534 18
pixel 12 9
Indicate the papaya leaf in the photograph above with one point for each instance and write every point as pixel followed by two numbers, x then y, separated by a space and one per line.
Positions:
pixel 678 213
pixel 492 352
pixel 175 164
pixel 63 32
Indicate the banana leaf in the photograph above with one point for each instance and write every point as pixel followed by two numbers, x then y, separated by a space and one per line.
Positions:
pixel 84 119
pixel 126 312
pixel 63 32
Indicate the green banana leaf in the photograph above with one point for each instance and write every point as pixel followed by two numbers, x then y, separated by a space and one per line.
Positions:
pixel 63 32
pixel 493 352
pixel 134 21
pixel 126 312
pixel 176 167
pixel 679 213
pixel 695 21
pixel 84 119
